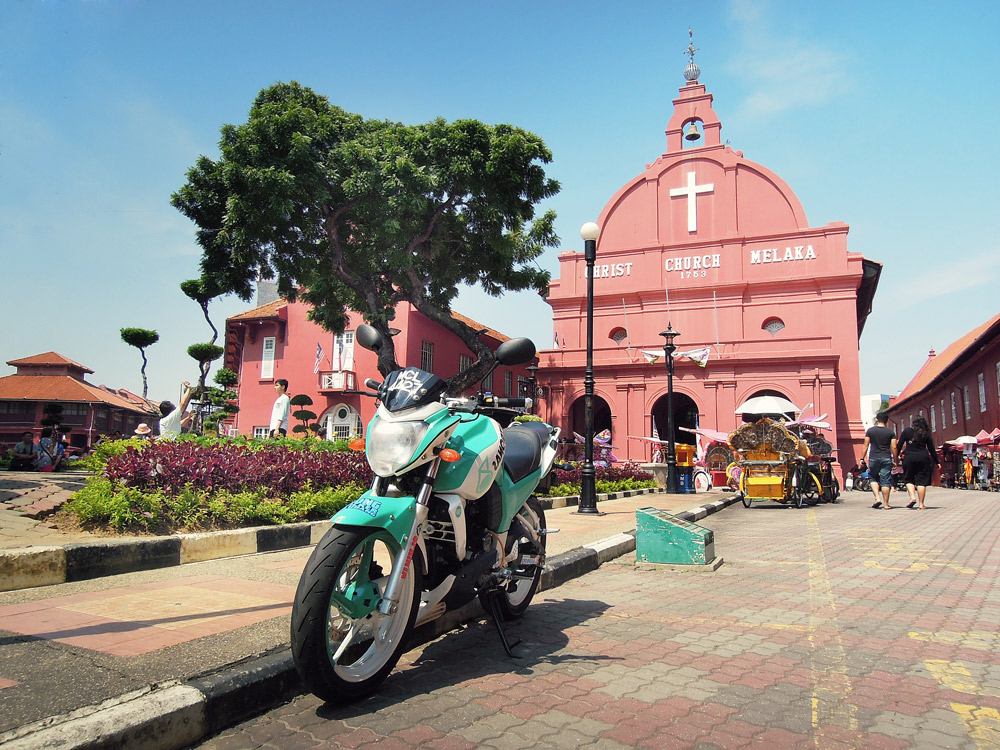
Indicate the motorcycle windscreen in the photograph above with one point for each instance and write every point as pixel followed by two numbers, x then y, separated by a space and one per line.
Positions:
pixel 411 387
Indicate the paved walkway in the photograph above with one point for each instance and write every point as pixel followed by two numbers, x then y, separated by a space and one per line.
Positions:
pixel 830 627
pixel 72 645
pixel 27 499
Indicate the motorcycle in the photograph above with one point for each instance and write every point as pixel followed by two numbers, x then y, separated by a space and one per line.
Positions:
pixel 450 516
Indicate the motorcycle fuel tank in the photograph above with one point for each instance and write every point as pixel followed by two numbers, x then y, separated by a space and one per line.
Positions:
pixel 481 445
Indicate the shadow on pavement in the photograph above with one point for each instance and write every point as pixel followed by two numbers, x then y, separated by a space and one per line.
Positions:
pixel 475 651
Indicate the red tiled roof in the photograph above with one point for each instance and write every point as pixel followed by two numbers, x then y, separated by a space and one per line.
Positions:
pixel 938 364
pixel 270 312
pixel 479 327
pixel 48 358
pixel 59 388
pixel 264 312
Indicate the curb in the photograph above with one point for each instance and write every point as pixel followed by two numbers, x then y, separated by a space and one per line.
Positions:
pixel 28 567
pixel 173 715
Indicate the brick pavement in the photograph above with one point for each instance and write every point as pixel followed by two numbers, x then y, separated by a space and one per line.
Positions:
pixel 832 627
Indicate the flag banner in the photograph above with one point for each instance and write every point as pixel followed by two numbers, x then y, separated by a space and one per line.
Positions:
pixel 698 356
pixel 652 356
pixel 556 343
pixel 319 358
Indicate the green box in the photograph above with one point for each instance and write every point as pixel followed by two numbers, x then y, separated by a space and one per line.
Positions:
pixel 664 538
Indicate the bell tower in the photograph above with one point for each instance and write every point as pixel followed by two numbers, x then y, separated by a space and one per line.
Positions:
pixel 692 111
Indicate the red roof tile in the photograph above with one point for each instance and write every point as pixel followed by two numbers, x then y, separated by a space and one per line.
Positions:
pixel 59 388
pixel 264 312
pixel 48 358
pixel 938 364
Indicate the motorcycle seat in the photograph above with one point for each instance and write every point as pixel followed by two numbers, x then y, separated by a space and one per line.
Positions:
pixel 523 452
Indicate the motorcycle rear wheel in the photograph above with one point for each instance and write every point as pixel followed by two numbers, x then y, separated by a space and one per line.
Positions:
pixel 515 593
pixel 343 647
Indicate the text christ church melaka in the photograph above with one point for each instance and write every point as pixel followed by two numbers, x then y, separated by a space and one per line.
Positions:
pixel 718 247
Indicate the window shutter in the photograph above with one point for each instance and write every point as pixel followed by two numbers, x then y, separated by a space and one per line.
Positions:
pixel 267 359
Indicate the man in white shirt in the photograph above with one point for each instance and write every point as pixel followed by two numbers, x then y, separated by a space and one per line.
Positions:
pixel 280 410
pixel 174 418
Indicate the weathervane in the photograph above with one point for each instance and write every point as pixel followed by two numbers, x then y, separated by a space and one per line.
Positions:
pixel 692 71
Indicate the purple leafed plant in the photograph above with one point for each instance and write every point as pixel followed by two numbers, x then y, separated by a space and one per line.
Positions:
pixel 170 466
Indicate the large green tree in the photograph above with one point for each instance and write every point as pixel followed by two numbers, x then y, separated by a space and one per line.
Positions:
pixel 360 214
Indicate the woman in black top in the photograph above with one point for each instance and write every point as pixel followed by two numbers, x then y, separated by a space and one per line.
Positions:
pixel 919 460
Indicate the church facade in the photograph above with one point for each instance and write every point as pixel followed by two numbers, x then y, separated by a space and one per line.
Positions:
pixel 718 248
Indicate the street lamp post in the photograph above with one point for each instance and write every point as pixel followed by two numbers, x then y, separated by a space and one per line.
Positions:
pixel 588 485
pixel 668 349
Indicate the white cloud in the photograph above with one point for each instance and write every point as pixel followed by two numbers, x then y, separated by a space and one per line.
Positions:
pixel 782 71
pixel 964 274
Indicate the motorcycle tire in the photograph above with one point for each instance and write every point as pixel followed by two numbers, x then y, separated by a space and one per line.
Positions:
pixel 864 484
pixel 516 592
pixel 342 656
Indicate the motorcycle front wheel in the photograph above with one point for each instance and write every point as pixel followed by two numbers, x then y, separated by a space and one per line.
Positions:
pixel 525 569
pixel 343 647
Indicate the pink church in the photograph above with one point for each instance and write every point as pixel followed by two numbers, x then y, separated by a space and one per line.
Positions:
pixel 719 248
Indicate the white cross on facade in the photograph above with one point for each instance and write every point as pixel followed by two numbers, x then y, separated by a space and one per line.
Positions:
pixel 691 191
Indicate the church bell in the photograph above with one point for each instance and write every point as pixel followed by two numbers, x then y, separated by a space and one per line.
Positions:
pixel 692 134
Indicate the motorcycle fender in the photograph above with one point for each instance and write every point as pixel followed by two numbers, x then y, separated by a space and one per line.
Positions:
pixel 394 514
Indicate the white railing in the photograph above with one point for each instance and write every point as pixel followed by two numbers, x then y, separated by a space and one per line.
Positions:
pixel 342 380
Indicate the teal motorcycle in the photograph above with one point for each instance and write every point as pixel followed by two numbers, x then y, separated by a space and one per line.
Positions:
pixel 450 516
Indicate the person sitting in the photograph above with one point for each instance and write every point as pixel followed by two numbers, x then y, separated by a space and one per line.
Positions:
pixel 45 452
pixel 23 454
pixel 143 431
pixel 174 419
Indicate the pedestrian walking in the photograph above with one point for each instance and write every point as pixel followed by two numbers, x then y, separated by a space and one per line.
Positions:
pixel 880 443
pixel 280 410
pixel 919 458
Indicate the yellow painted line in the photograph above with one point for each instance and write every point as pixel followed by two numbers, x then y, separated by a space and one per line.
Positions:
pixel 976 639
pixel 981 724
pixel 919 567
pixel 831 685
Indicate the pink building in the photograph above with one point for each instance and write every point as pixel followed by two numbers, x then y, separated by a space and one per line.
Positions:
pixel 957 392
pixel 718 247
pixel 276 340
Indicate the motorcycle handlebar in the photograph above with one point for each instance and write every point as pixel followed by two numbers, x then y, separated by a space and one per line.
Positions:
pixel 372 383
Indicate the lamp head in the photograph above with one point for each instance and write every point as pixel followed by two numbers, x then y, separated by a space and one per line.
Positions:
pixel 590 231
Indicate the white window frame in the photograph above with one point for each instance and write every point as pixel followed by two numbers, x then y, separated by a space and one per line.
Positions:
pixel 933 419
pixel 488 383
pixel 261 431
pixel 508 382
pixel 464 362
pixel 267 348
pixel 427 356
pixel 965 402
pixel 954 408
pixel 982 392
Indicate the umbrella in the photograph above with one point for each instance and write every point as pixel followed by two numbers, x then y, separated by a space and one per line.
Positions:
pixel 983 437
pixel 963 440
pixel 719 437
pixel 767 405
pixel 995 434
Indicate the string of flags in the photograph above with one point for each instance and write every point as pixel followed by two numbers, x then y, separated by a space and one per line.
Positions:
pixel 698 356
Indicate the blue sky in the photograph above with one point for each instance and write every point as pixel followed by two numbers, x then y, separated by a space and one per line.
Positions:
pixel 877 114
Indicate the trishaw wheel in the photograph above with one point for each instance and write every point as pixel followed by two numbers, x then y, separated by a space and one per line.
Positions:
pixel 747 502
pixel 811 489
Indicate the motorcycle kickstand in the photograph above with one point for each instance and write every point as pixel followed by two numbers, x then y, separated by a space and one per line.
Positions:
pixel 493 610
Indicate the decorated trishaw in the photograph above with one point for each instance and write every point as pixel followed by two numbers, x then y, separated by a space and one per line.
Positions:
pixel 773 464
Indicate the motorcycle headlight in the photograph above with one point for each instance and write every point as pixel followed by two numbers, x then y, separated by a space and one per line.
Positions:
pixel 392 445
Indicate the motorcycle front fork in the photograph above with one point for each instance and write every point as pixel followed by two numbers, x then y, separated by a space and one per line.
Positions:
pixel 403 562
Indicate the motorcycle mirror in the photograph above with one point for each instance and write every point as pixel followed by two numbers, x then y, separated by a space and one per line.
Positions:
pixel 368 337
pixel 515 351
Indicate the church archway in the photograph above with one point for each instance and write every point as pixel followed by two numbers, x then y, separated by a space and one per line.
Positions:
pixel 685 415
pixel 602 416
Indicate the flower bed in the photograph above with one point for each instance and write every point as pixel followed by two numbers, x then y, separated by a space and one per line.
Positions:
pixel 207 483
pixel 614 478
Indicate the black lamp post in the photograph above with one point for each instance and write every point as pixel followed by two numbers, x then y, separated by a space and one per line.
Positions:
pixel 588 484
pixel 533 385
pixel 668 349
